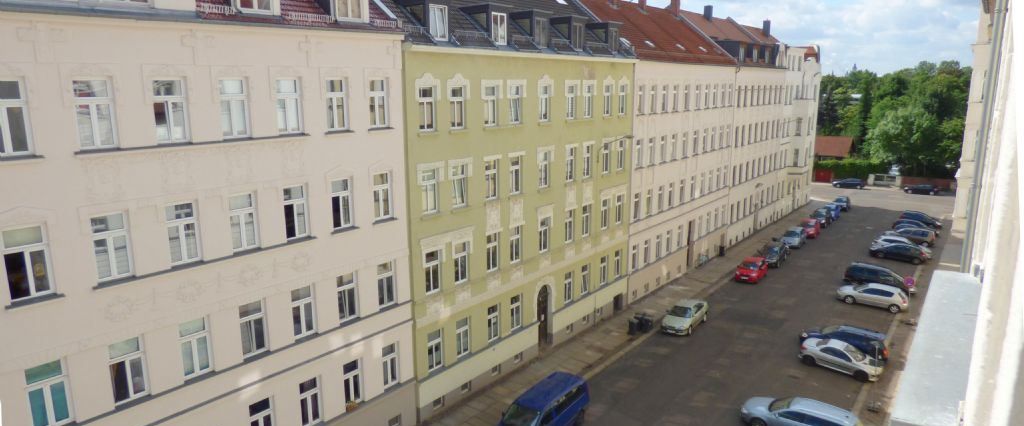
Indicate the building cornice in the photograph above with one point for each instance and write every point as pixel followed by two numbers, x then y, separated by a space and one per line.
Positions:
pixel 419 48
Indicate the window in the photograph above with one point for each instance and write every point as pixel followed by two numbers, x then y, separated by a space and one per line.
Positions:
pixel 295 225
pixel 618 208
pixel 515 103
pixel 636 207
pixel 309 401
pixel 351 381
pixel 457 101
pixel 588 157
pixel 570 163
pixel 14 136
pixel 439 22
pixel 110 245
pixel 570 100
pixel 540 32
pixel 378 101
pixel 543 234
pixel 127 375
pixel 428 186
pixel 607 104
pixel 425 98
pixel 567 290
pixel 570 216
pixel 435 352
pixel 261 413
pixel 588 100
pixel 48 394
pixel 515 244
pixel 337 105
pixel 389 359
pixel 462 337
pixel 182 235
pixel 515 312
pixel 382 196
pixel 195 347
pixel 254 5
pixel 491 179
pixel 544 168
pixel 577 36
pixel 606 157
pixel 618 263
pixel 664 98
pixel 460 258
pixel 545 103
pixel 605 206
pixel 585 279
pixel 459 185
pixel 242 216
pixel 499 27
pixel 254 333
pixel 341 203
pixel 490 97
pixel 515 174
pixel 585 218
pixel 432 270
pixel 492 251
pixel 493 324
pixel 623 89
pixel 620 161
pixel 675 98
pixel 634 256
pixel 347 297
pixel 303 316
pixel 234 109
pixel 602 270
pixel 94 109
pixel 168 111
pixel 289 115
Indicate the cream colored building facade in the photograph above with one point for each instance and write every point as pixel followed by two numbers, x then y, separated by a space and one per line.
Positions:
pixel 191 239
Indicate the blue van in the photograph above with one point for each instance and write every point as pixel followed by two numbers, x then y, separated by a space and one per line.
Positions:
pixel 560 399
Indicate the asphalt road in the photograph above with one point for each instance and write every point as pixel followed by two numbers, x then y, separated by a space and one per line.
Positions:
pixel 749 345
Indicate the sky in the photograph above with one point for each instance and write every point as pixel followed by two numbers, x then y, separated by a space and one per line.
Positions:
pixel 878 35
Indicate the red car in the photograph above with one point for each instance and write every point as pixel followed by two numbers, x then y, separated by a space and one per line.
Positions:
pixel 751 270
pixel 812 226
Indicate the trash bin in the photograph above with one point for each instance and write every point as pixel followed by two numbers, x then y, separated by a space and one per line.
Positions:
pixel 633 326
pixel 644 322
pixel 721 250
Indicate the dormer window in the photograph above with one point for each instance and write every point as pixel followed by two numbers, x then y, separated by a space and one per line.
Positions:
pixel 352 10
pixel 577 36
pixel 439 22
pixel 258 6
pixel 540 32
pixel 499 28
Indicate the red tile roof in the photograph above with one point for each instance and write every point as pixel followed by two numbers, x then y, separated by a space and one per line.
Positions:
pixel 305 13
pixel 718 28
pixel 758 34
pixel 663 29
pixel 833 146
pixel 812 52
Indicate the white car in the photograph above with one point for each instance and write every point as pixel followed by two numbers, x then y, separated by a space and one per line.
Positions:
pixel 880 295
pixel 898 239
pixel 840 356
pixel 684 316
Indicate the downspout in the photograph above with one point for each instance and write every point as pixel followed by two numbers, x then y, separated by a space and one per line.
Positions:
pixel 994 61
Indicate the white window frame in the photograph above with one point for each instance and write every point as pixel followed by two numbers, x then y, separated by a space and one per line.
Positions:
pixel 489 95
pixel 378 99
pixel 7 147
pixel 387 290
pixel 127 359
pixel 26 250
pixel 544 168
pixel 304 310
pixel 620 160
pixel 567 290
pixel 623 92
pixel 607 105
pixel 429 191
pixel 352 381
pixel 310 399
pixel 337 104
pixel 238 215
pixel 382 208
pixel 460 261
pixel 228 104
pixel 299 213
pixel 255 6
pixel 515 244
pixel 457 104
pixel 168 102
pixel 459 175
pixel 181 225
pixel 491 178
pixel 499 28
pixel 108 238
pixel 427 108
pixel 389 363
pixel 341 196
pixel 570 163
pixel 93 103
pixel 432 271
pixel 438 19
pixel 570 225
pixel 192 339
pixel 263 417
pixel 544 234
pixel 435 350
pixel 585 212
pixel 588 99
pixel 492 254
pixel 544 106
pixel 348 296
pixel 606 158
pixel 515 102
pixel 602 271
pixel 515 312
pixel 46 386
pixel 585 278
pixel 571 91
pixel 251 320
pixel 606 204
pixel 289 106
pixel 493 323
pixel 515 170
pixel 463 345
pixel 588 160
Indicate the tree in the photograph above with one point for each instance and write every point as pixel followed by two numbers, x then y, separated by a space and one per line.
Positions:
pixel 907 136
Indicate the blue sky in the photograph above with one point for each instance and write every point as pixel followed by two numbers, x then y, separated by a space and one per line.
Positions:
pixel 880 35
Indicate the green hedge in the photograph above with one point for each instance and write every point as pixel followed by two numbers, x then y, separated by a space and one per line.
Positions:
pixel 852 168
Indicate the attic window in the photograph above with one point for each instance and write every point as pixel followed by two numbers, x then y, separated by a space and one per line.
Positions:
pixel 702 49
pixel 350 9
pixel 499 27
pixel 258 6
pixel 680 47
pixel 649 43
pixel 439 22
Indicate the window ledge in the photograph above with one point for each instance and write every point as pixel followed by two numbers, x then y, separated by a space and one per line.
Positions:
pixel 544 123
pixel 339 132
pixel 344 230
pixel 457 130
pixel 33 300
pixel 185 145
pixel 427 133
pixel 456 209
pixel 21 158
pixel 384 220
pixel 377 129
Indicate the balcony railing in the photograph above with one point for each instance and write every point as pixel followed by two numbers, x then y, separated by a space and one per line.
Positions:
pixel 598 49
pixel 417 34
pixel 523 43
pixel 383 23
pixel 472 38
pixel 562 46
pixel 219 9
pixel 307 18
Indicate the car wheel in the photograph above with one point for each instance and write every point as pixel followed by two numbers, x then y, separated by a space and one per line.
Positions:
pixel 849 300
pixel 861 375
pixel 757 422
pixel 835 185
pixel 915 261
pixel 705 317
pixel 894 308
pixel 808 360
pixel 689 330
pixel 906 190
pixel 880 255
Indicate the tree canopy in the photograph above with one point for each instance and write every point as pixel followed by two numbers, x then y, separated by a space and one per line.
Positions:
pixel 912 118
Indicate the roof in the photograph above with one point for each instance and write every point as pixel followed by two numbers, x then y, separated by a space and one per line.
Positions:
pixel 758 34
pixel 673 39
pixel 833 146
pixel 718 28
pixel 812 52
pixel 306 13
pixel 546 391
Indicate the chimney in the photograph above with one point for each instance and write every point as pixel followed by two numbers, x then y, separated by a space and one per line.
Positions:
pixel 707 12
pixel 643 4
pixel 766 28
pixel 614 3
pixel 673 6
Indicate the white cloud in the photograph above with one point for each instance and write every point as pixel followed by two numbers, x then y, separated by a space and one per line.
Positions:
pixel 880 35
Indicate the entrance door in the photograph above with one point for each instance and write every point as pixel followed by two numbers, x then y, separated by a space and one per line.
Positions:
pixel 689 245
pixel 542 316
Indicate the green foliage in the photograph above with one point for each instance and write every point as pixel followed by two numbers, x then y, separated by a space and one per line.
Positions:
pixel 852 167
pixel 913 117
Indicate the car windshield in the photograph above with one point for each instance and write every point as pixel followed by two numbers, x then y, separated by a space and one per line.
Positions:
pixel 840 200
pixel 749 265
pixel 773 250
pixel 792 234
pixel 681 311
pixel 518 415
pixel 780 404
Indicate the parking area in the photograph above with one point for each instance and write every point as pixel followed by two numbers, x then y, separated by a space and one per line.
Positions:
pixel 749 346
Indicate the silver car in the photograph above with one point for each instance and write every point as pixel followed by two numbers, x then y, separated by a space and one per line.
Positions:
pixel 795 237
pixel 898 239
pixel 840 356
pixel 766 411
pixel 684 316
pixel 880 295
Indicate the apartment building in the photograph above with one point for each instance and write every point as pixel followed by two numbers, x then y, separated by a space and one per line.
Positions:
pixel 517 144
pixel 188 238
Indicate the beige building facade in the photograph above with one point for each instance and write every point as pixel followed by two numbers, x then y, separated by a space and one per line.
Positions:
pixel 192 240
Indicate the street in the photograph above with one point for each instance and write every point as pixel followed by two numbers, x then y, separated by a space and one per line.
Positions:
pixel 749 345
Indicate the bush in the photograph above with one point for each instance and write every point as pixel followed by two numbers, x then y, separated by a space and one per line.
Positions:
pixel 852 167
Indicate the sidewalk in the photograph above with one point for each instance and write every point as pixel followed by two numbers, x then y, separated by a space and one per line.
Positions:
pixel 601 345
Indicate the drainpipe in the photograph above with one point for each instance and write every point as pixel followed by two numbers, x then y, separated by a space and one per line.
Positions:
pixel 994 61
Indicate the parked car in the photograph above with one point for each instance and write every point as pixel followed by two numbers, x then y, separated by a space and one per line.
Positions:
pixel 925 237
pixel 922 189
pixel 559 399
pixel 848 183
pixel 795 237
pixel 871 342
pixel 896 239
pixel 811 226
pixel 824 217
pixel 843 202
pixel 686 314
pixel 751 270
pixel 767 411
pixel 775 253
pixel 908 225
pixel 922 217
pixel 864 273
pixel 842 357
pixel 905 252
pixel 879 295
pixel 834 209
